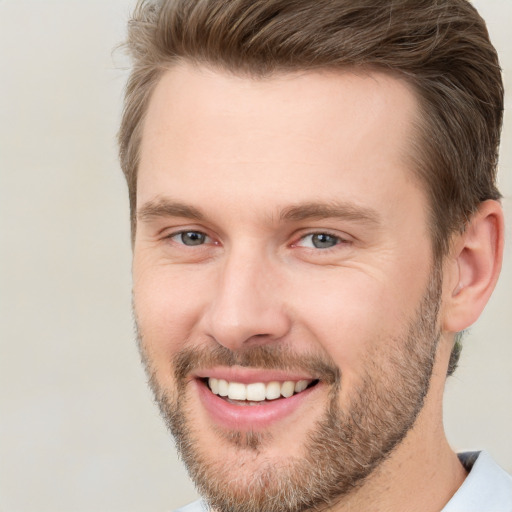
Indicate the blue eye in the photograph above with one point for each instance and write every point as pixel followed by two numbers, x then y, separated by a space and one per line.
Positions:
pixel 319 241
pixel 190 238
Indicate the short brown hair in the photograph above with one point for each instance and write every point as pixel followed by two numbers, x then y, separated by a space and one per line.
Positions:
pixel 440 47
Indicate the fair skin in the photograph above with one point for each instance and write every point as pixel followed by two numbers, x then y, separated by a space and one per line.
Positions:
pixel 305 229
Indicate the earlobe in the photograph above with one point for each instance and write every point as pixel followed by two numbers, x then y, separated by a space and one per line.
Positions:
pixel 476 263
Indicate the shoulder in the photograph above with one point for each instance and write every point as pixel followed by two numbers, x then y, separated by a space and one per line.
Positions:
pixel 196 506
pixel 487 487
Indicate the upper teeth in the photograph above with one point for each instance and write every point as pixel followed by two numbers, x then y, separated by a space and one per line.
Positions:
pixel 256 391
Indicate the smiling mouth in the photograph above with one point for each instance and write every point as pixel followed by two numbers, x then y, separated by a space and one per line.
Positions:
pixel 256 393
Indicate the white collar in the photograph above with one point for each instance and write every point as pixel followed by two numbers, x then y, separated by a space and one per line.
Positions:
pixel 487 488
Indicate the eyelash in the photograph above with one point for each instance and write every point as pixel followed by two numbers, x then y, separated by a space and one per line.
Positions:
pixel 338 240
pixel 173 235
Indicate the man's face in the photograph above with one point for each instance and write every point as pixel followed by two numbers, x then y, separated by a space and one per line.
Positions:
pixel 282 248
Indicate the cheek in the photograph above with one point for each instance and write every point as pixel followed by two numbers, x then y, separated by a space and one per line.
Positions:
pixel 353 314
pixel 167 304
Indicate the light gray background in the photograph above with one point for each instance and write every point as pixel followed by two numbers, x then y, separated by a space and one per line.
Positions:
pixel 78 430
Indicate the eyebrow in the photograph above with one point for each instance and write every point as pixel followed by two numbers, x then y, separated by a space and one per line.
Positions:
pixel 295 213
pixel 340 210
pixel 165 208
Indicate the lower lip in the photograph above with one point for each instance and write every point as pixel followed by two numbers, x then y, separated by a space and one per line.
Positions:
pixel 250 417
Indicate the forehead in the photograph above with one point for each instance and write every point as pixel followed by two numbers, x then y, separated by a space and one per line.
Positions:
pixel 295 134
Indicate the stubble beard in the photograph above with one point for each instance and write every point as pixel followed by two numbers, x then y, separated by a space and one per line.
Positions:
pixel 343 449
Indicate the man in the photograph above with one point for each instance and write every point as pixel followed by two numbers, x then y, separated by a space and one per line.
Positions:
pixel 315 220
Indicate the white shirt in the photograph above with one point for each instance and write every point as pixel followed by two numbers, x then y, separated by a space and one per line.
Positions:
pixel 487 488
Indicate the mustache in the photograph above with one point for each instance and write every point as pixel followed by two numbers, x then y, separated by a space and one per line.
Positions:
pixel 267 357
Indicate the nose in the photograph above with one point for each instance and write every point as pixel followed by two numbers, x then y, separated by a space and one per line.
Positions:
pixel 248 307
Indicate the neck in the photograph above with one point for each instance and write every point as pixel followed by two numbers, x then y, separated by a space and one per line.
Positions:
pixel 421 474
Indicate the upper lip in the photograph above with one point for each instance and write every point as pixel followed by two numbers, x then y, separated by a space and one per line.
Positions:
pixel 250 375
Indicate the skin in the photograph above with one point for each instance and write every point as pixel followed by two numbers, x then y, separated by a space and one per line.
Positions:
pixel 241 155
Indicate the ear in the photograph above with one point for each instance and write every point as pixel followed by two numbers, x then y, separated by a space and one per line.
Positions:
pixel 473 267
